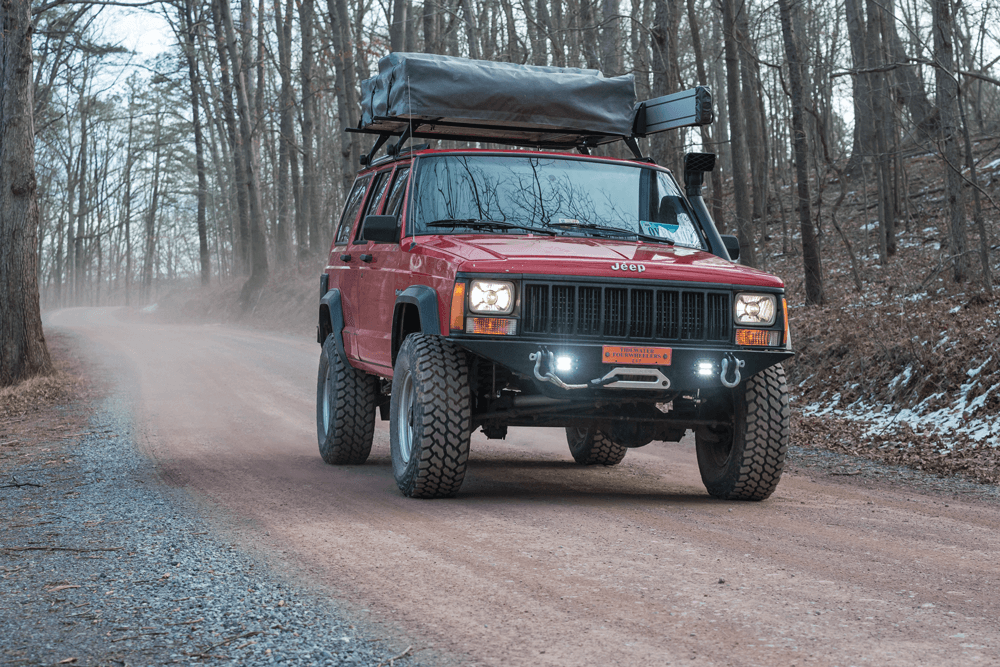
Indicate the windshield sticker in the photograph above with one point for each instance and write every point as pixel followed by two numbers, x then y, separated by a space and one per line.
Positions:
pixel 662 230
pixel 568 221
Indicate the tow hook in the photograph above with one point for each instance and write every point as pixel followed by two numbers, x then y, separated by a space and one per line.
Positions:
pixel 549 376
pixel 616 378
pixel 737 365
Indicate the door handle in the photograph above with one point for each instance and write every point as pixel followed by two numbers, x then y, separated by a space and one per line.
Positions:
pixel 366 258
pixel 344 257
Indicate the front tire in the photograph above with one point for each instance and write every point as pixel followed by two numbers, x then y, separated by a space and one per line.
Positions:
pixel 345 409
pixel 744 461
pixel 431 422
pixel 591 446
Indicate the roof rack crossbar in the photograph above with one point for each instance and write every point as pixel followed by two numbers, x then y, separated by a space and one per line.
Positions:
pixel 395 149
pixel 382 138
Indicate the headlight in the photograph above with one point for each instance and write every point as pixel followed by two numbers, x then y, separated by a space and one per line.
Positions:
pixel 491 296
pixel 756 309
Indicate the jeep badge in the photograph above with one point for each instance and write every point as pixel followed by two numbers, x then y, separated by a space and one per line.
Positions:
pixel 628 267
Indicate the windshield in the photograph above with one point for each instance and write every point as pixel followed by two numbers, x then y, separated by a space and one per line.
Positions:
pixel 551 195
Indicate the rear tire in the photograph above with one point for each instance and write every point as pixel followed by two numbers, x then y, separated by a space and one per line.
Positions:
pixel 345 409
pixel 431 421
pixel 591 446
pixel 744 461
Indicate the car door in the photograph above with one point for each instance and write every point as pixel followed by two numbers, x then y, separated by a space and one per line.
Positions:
pixel 379 278
pixel 346 264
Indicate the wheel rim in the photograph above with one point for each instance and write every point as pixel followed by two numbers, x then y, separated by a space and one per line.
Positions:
pixel 578 436
pixel 404 418
pixel 721 450
pixel 326 403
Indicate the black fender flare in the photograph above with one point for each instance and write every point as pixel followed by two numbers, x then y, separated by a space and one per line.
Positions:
pixel 331 320
pixel 425 299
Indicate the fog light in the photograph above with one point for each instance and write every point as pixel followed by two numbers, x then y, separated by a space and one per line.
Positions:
pixel 564 364
pixel 705 368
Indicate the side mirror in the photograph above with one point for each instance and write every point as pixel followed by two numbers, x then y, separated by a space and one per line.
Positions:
pixel 380 229
pixel 732 246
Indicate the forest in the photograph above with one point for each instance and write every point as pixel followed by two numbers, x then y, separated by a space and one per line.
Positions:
pixel 857 141
pixel 226 157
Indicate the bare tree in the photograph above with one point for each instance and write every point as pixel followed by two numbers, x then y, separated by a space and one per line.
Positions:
pixel 744 213
pixel 258 247
pixel 188 28
pixel 947 102
pixel 810 247
pixel 23 352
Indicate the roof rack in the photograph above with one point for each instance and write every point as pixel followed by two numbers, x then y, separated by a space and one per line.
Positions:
pixel 427 96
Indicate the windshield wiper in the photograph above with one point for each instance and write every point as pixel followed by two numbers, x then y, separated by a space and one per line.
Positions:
pixel 652 237
pixel 486 224
pixel 611 230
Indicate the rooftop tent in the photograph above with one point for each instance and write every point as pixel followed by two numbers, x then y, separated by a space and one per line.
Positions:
pixel 455 98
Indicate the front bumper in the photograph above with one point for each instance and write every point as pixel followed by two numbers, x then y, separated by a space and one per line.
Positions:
pixel 691 368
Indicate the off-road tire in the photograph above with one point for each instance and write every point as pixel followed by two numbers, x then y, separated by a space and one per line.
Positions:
pixel 744 461
pixel 345 409
pixel 430 423
pixel 590 446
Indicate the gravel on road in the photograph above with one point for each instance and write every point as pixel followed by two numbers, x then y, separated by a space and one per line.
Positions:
pixel 101 563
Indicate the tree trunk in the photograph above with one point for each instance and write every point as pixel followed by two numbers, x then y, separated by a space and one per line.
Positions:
pixel 397 25
pixel 970 164
pixel 744 212
pixel 242 237
pixel 188 24
pixel 309 193
pixel 864 127
pixel 23 353
pixel 665 147
pixel 430 23
pixel 947 102
pixel 258 243
pixel 149 253
pixel 82 205
pixel 810 247
pixel 910 91
pixel 471 31
pixel 610 38
pixel 754 114
pixel 879 108
pixel 286 128
pixel 347 95
pixel 715 197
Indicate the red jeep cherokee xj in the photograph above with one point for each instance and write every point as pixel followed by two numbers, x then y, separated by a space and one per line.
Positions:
pixel 485 289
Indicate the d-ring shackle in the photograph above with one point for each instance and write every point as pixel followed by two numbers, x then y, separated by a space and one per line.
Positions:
pixel 737 365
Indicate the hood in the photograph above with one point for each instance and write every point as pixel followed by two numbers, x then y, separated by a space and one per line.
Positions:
pixel 592 257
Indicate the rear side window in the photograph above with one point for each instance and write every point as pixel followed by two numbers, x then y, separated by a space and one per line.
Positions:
pixel 378 193
pixel 395 203
pixel 351 209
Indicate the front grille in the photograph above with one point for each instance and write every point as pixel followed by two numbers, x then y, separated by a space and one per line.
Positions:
pixel 622 311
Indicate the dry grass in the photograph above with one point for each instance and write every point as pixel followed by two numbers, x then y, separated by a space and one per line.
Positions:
pixel 39 415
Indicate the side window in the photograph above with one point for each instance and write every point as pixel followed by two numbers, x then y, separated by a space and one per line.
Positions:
pixel 378 192
pixel 395 203
pixel 354 200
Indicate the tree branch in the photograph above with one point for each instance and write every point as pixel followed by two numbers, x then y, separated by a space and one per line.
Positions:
pixel 103 3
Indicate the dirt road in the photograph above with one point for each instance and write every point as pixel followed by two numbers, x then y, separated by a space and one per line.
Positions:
pixel 541 562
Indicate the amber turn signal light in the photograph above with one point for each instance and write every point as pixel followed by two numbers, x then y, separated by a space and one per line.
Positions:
pixel 758 337
pixel 496 326
pixel 458 307
pixel 787 337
